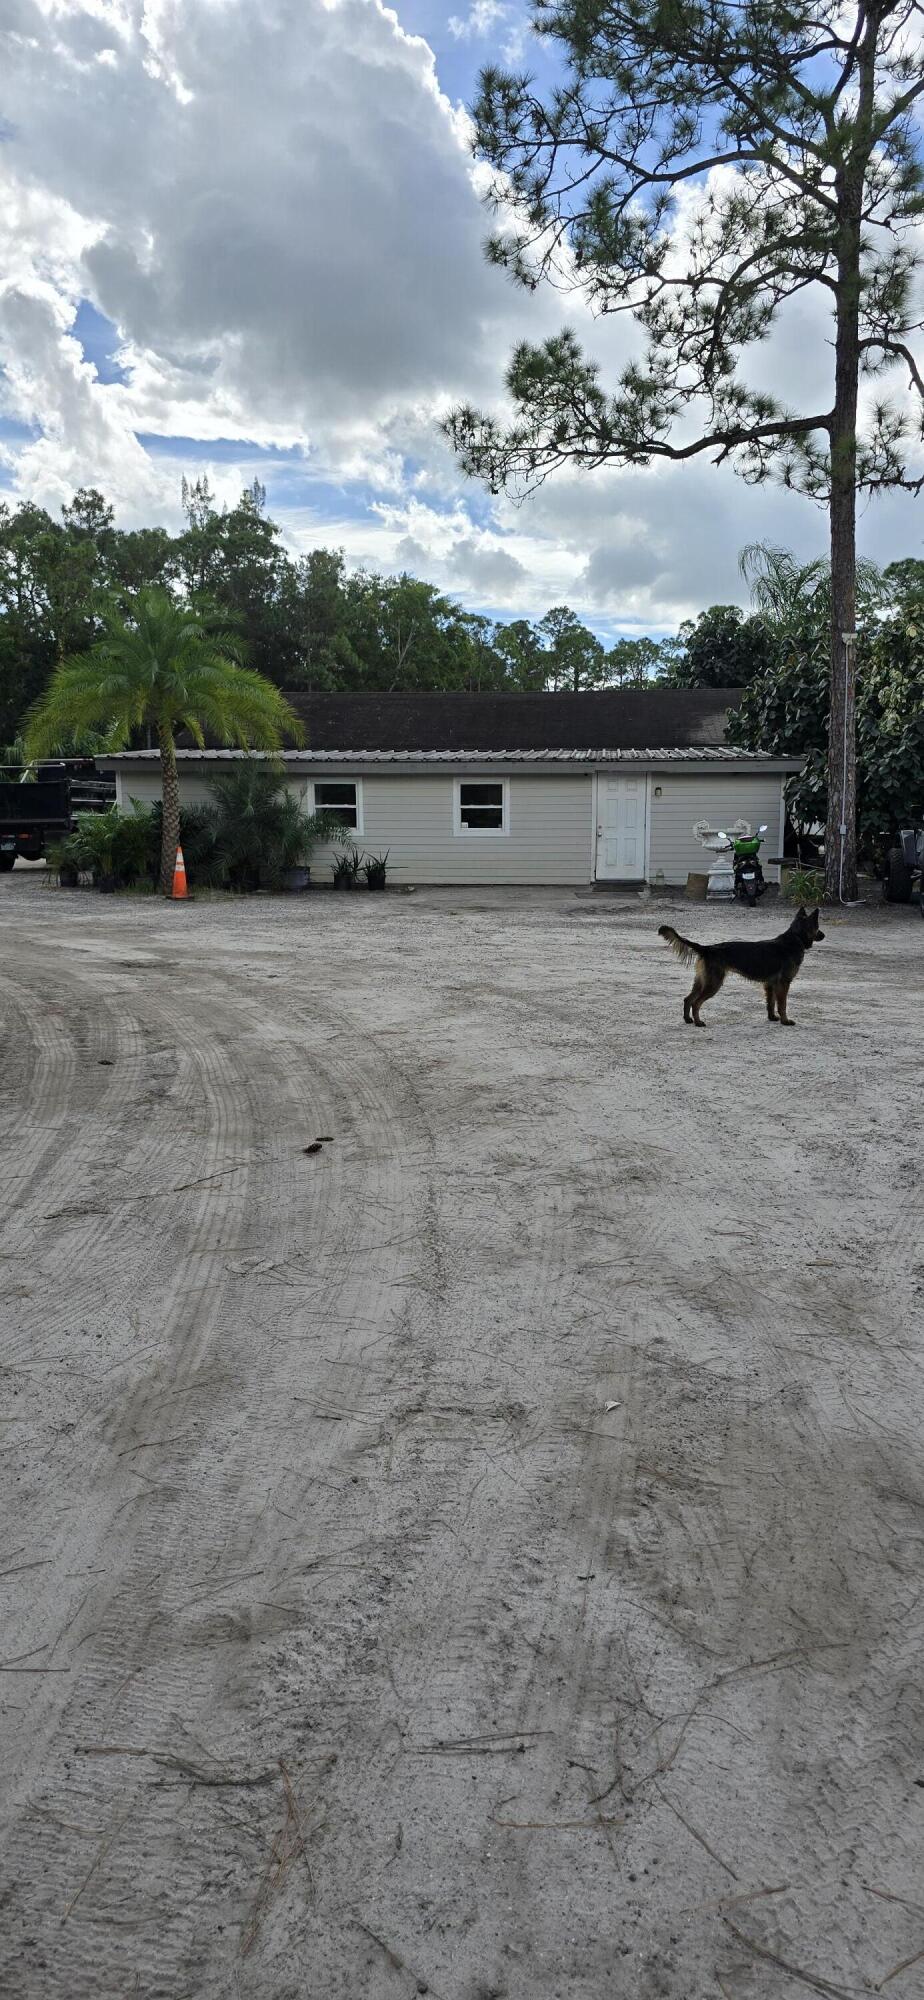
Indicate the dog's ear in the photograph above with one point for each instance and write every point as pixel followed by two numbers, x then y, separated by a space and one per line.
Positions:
pixel 813 917
pixel 801 910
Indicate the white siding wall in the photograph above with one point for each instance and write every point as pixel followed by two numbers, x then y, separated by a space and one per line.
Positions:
pixel 411 815
pixel 715 797
pixel 144 785
pixel 551 822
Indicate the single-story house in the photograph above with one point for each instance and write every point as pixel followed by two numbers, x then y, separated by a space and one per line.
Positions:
pixel 516 788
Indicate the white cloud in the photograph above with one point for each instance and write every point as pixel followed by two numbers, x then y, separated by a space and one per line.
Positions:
pixel 482 17
pixel 275 202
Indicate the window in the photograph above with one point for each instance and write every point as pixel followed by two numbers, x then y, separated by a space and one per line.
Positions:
pixel 342 797
pixel 482 805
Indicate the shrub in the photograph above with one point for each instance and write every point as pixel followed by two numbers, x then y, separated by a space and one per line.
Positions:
pixel 199 841
pixel 92 843
pixel 805 885
pixel 260 829
pixel 61 860
pixel 298 834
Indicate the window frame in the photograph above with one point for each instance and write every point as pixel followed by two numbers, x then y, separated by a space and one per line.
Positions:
pixel 460 830
pixel 313 806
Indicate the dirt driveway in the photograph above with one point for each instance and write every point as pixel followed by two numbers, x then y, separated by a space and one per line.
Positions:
pixel 460 1456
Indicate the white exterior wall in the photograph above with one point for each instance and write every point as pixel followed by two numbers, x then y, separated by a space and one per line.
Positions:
pixel 411 815
pixel 719 798
pixel 142 782
pixel 552 824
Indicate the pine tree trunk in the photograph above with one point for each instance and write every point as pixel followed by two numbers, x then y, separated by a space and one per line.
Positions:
pixel 170 793
pixel 841 828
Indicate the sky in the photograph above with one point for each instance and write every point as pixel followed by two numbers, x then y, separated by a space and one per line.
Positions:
pixel 245 238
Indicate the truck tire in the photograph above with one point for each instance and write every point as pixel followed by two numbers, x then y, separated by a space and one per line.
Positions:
pixel 897 885
pixel 6 863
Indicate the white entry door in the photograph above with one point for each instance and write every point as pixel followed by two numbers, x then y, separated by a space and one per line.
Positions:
pixel 622 811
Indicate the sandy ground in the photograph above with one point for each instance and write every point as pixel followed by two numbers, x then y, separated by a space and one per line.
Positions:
pixel 483 1556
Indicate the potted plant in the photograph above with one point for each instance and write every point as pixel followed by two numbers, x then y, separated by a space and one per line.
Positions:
pixel 62 862
pixel 297 835
pixel 374 869
pixel 261 836
pixel 93 845
pixel 346 868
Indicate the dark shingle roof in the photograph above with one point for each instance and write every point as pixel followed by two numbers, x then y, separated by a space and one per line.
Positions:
pixel 615 719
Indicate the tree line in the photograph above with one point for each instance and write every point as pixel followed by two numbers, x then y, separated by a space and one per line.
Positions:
pixel 310 623
pixel 304 623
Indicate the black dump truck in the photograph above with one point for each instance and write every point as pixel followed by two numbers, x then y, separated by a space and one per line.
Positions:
pixel 39 804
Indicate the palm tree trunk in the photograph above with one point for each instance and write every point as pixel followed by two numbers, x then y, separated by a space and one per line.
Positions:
pixel 170 793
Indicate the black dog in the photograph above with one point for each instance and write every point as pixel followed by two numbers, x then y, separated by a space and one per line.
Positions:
pixel 771 962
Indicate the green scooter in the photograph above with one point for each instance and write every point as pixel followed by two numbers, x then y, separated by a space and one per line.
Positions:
pixel 749 875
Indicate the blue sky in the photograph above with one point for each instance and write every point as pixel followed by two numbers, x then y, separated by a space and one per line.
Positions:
pixel 242 237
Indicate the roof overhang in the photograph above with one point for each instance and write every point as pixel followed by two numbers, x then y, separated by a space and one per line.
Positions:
pixel 303 762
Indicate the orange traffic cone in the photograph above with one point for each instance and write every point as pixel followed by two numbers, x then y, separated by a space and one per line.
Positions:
pixel 180 891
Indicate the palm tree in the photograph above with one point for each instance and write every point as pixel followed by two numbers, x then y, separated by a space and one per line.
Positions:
pixel 784 590
pixel 168 667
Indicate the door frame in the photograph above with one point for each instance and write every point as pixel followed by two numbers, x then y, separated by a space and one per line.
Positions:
pixel 595 843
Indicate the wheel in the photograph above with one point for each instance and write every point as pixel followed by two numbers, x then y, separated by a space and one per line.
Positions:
pixel 897 885
pixel 6 863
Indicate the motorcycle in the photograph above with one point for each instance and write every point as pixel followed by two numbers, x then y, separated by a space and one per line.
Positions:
pixel 749 875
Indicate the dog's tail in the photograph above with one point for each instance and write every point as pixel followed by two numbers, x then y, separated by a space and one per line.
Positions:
pixel 684 948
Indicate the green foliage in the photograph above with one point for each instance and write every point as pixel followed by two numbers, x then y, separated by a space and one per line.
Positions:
pixel 62 862
pixel 785 711
pixel 92 844
pixel 639 662
pixel 198 839
pixel 111 845
pixel 700 168
pixel 375 869
pixel 170 667
pixel 890 728
pixel 722 648
pixel 260 830
pixel 65 585
pixel 792 127
pixel 346 868
pixel 574 657
pixel 253 832
pixel 804 887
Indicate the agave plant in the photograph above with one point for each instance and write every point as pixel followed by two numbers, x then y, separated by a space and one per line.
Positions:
pixel 347 867
pixel 375 868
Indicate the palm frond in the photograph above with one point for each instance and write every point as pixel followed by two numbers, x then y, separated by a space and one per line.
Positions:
pixel 167 666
